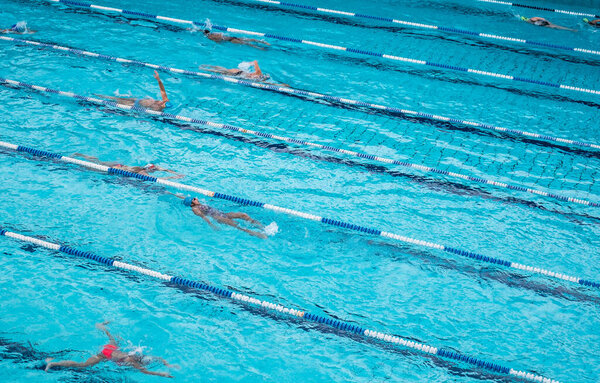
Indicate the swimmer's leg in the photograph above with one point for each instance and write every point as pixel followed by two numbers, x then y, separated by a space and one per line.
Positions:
pixel 70 363
pixel 228 221
pixel 95 159
pixel 244 217
pixel 258 41
pixel 91 158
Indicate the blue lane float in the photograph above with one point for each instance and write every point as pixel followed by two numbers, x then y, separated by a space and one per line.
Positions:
pixel 307 94
pixel 341 326
pixel 425 26
pixel 364 52
pixel 538 8
pixel 313 217
pixel 309 144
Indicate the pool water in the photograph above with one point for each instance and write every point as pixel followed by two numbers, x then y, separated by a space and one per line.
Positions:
pixel 51 301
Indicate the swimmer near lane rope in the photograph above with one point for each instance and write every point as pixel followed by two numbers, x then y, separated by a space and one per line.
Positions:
pixel 339 48
pixel 341 328
pixel 311 95
pixel 305 143
pixel 300 214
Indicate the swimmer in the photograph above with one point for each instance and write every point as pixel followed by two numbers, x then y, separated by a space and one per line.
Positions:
pixel 247 69
pixel 541 22
pixel 19 28
pixel 148 103
pixel 221 37
pixel 143 170
pixel 112 352
pixel 593 23
pixel 205 211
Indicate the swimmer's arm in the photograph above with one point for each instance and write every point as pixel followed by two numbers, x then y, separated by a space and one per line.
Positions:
pixel 91 158
pixel 143 369
pixel 257 68
pixel 163 92
pixel 205 218
pixel 176 175
pixel 102 326
pixel 561 28
pixel 165 363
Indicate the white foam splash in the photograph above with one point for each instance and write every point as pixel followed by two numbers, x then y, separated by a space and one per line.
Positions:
pixel 271 229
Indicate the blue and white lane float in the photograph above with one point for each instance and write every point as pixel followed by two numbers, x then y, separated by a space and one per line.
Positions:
pixel 224 293
pixel 538 8
pixel 232 128
pixel 296 213
pixel 338 48
pixel 303 93
pixel 426 26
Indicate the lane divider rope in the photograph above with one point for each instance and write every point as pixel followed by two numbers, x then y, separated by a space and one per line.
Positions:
pixel 223 293
pixel 538 8
pixel 339 48
pixel 303 93
pixel 227 127
pixel 296 213
pixel 426 26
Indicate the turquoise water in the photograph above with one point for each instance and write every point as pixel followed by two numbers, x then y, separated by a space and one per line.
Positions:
pixel 515 319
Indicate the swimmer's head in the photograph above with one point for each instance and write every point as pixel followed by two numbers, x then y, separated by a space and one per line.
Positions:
pixel 149 166
pixel 20 27
pixel 207 26
pixel 191 201
pixel 168 104
pixel 524 18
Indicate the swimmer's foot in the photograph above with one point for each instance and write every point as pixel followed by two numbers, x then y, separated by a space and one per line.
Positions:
pixel 48 364
pixel 257 224
pixel 257 234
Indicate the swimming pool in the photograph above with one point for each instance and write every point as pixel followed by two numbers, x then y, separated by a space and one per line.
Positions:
pixel 521 319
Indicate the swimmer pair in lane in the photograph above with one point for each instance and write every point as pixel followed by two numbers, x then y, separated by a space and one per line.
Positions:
pixel 111 351
pixel 203 211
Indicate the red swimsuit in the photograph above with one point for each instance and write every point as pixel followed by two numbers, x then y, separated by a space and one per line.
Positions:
pixel 108 350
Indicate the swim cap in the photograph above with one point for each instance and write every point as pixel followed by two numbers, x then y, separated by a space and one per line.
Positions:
pixel 21 27
pixel 188 201
pixel 168 105
pixel 149 166
pixel 246 66
pixel 524 18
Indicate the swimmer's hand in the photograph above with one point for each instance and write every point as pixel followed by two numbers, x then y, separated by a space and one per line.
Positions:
pixel 100 326
pixel 156 76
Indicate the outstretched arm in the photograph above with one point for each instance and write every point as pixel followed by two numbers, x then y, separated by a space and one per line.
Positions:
pixel 163 92
pixel 143 369
pixel 102 326
pixel 91 158
pixel 174 176
pixel 561 28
